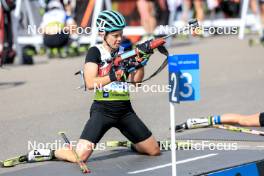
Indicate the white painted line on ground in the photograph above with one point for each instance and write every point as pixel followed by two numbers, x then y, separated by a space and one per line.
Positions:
pixel 244 146
pixel 260 146
pixel 169 164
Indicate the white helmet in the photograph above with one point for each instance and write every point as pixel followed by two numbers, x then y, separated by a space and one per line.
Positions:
pixel 55 5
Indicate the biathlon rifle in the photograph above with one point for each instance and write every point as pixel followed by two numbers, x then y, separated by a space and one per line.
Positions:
pixel 130 61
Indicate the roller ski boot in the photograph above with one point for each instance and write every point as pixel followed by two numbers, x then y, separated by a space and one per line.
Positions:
pixel 33 156
pixel 194 123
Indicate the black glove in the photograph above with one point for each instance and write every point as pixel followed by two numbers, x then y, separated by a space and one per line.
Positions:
pixel 118 75
pixel 144 48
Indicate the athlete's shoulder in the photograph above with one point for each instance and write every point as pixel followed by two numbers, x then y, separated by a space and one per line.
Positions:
pixel 93 49
pixel 93 55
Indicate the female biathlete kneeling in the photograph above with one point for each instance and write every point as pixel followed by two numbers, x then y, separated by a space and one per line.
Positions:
pixel 109 109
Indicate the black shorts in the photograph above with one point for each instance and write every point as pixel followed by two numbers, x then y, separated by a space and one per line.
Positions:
pixel 102 118
pixel 56 40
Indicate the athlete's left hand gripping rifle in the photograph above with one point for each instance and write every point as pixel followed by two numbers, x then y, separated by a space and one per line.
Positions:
pixel 132 60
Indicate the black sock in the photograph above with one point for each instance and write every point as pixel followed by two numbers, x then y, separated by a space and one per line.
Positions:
pixel 133 148
pixel 261 119
pixel 52 153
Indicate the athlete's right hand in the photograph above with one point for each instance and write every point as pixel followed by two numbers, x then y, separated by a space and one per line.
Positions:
pixel 117 75
pixel 144 48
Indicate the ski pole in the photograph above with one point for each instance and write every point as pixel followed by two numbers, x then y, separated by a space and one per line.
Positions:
pixel 239 129
pixel 82 165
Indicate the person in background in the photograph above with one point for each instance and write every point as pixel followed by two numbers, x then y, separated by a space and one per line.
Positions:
pixel 147 16
pixel 254 8
pixel 198 8
pixel 261 2
pixel 57 27
pixel 261 6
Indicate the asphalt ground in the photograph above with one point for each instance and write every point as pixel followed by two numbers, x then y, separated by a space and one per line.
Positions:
pixel 36 102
